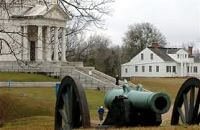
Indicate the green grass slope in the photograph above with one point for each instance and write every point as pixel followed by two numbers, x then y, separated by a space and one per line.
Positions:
pixel 167 85
pixel 24 77
pixel 33 108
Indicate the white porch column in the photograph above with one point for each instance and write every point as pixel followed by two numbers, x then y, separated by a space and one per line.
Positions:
pixel 56 44
pixel 25 44
pixel 191 69
pixel 181 69
pixel 184 66
pixel 63 46
pixel 39 48
pixel 48 44
pixel 186 72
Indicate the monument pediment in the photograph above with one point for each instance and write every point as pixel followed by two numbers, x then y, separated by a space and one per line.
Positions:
pixel 56 13
pixel 41 11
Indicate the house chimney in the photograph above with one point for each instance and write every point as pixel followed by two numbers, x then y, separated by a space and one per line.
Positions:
pixel 155 45
pixel 190 50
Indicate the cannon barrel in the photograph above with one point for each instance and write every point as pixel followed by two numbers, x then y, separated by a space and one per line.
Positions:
pixel 139 98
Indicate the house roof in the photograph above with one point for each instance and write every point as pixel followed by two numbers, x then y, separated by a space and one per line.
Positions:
pixel 163 52
pixel 172 50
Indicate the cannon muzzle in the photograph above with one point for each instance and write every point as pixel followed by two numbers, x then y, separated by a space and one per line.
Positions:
pixel 157 102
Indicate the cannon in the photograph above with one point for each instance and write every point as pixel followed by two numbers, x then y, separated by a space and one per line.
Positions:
pixel 131 105
pixel 128 105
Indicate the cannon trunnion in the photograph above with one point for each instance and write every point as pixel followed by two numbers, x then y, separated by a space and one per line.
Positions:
pixel 131 106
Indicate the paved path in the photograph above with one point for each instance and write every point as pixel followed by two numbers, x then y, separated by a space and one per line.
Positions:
pixel 28 84
pixel 166 118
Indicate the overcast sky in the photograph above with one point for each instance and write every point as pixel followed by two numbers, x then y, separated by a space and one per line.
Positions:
pixel 178 20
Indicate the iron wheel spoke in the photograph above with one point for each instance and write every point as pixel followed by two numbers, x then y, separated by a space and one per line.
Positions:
pixel 181 115
pixel 198 119
pixel 64 116
pixel 66 105
pixel 67 127
pixel 191 107
pixel 185 101
pixel 70 97
pixel 196 107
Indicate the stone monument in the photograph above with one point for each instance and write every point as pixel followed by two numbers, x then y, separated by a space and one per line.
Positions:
pixel 38 32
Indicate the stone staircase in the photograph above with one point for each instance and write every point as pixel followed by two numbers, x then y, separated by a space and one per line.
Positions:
pixel 88 76
pixel 91 71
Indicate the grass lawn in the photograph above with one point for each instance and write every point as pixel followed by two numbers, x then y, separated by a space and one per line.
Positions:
pixel 33 108
pixel 24 77
pixel 25 107
pixel 167 85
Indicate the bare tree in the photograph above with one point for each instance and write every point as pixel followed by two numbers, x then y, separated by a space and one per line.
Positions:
pixel 140 36
pixel 86 12
pixel 97 51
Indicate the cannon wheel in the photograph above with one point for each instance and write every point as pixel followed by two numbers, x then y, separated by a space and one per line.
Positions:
pixel 186 106
pixel 71 106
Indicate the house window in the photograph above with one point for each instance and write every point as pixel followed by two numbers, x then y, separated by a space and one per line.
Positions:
pixel 185 55
pixel 168 68
pixel 157 68
pixel 151 56
pixel 142 56
pixel 174 69
pixel 143 68
pixel 188 69
pixel 150 68
pixel 195 69
pixel 126 70
pixel 136 68
pixel 178 56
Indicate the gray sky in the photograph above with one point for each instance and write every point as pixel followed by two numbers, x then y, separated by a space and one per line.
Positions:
pixel 178 20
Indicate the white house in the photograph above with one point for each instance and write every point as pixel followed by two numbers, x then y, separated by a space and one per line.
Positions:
pixel 157 61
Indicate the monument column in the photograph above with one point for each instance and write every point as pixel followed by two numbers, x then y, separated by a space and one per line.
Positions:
pixel 63 46
pixel 22 39
pixel 25 44
pixel 56 44
pixel 48 44
pixel 39 48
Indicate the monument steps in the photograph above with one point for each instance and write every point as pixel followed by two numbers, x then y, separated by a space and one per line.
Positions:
pixel 88 76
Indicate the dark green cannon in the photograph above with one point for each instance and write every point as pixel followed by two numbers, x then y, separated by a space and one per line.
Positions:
pixel 132 105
